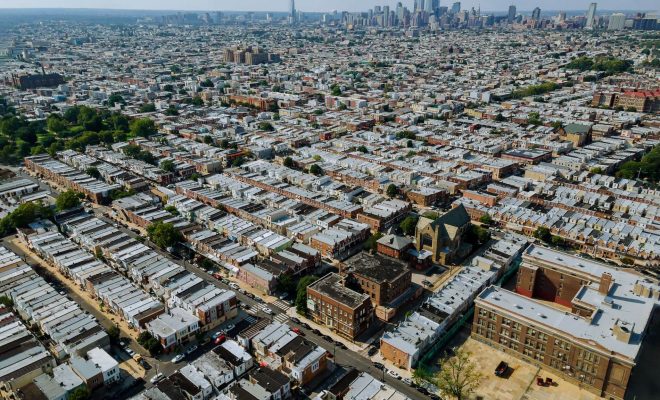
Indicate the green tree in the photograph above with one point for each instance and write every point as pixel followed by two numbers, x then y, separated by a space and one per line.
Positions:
pixel 371 243
pixel 68 199
pixel 115 98
pixel 266 126
pixel 80 393
pixel 316 170
pixel 113 333
pixel 335 90
pixel 409 224
pixel 557 241
pixel 143 127
pixel 458 376
pixel 147 107
pixel 288 162
pixel 301 293
pixel 363 149
pixel 167 165
pixel 392 190
pixel 197 101
pixel 93 172
pixel 543 233
pixel 486 219
pixel 6 301
pixel 286 284
pixel 55 123
pixel 163 234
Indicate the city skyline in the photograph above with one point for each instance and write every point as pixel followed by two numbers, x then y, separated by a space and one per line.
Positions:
pixel 313 6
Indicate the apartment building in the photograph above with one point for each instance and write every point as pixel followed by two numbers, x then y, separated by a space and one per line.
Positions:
pixel 343 310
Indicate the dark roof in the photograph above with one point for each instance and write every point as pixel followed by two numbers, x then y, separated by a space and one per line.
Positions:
pixel 269 379
pixel 577 128
pixel 376 267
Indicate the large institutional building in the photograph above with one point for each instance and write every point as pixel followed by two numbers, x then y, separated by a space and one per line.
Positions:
pixel 583 319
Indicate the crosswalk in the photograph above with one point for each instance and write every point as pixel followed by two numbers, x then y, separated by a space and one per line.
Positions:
pixel 281 318
pixel 281 305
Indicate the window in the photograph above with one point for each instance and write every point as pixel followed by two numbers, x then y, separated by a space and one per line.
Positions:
pixel 315 366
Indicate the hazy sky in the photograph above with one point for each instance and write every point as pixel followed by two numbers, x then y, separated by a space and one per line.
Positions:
pixel 319 5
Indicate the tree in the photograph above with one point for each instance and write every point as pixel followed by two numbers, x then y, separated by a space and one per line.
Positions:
pixel 486 219
pixel 500 118
pixel 371 243
pixel 335 90
pixel 6 301
pixel 557 240
pixel 171 111
pixel 115 98
pixel 197 101
pixel 431 215
pixel 288 162
pixel 363 149
pixel 113 333
pixel 627 261
pixel 143 127
pixel 266 126
pixel 458 376
pixel 286 284
pixel 301 292
pixel 80 393
pixel 147 107
pixel 67 200
pixel 392 190
pixel 167 165
pixel 543 233
pixel 164 235
pixel 316 170
pixel 596 170
pixel 93 172
pixel 409 224
pixel 24 215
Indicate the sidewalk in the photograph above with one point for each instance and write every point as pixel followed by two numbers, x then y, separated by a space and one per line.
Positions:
pixel 353 346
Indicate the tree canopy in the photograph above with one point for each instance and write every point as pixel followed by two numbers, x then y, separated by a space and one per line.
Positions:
pixel 68 199
pixel 164 235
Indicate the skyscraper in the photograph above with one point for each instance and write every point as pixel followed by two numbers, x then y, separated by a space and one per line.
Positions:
pixel 456 7
pixel 591 16
pixel 292 10
pixel 617 22
pixel 536 14
pixel 512 14
pixel 428 6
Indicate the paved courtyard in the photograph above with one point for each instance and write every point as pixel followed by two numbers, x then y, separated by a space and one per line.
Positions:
pixel 521 383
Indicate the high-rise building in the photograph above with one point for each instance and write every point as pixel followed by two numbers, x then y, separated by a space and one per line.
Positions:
pixel 292 9
pixel 456 7
pixel 428 6
pixel 512 14
pixel 386 16
pixel 536 14
pixel 617 22
pixel 591 16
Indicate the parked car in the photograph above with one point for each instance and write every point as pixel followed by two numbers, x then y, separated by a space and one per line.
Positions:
pixel 229 327
pixel 372 351
pixel 295 320
pixel 316 332
pixel 407 381
pixel 234 286
pixel 159 377
pixel 129 351
pixel 220 339
pixel 306 325
pixel 378 365
pixel 145 364
pixel 298 331
pixel 393 374
pixel 178 358
pixel 216 334
pixel 501 368
pixel 191 349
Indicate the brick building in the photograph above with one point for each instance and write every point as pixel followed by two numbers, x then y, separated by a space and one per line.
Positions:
pixel 595 343
pixel 342 310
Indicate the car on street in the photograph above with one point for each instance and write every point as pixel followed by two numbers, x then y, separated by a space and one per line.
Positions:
pixel 159 377
pixel 316 332
pixel 422 390
pixel 393 374
pixel 178 358
pixel 145 364
pixel 372 351
pixel 267 310
pixel 234 286
pixel 295 320
pixel 305 325
pixel 220 339
pixel 407 381
pixel 378 365
pixel 129 351
pixel 298 331
pixel 216 334
pixel 191 349
pixel 229 327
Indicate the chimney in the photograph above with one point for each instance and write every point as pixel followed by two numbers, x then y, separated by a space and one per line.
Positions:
pixel 605 283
